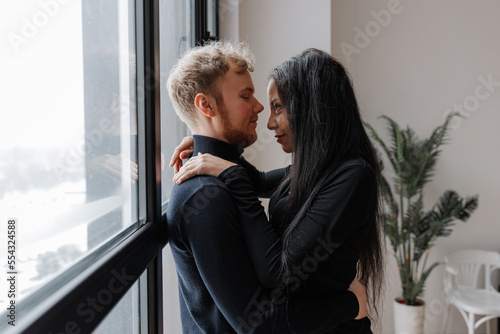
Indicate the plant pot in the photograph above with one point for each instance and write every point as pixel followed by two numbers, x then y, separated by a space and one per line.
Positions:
pixel 409 319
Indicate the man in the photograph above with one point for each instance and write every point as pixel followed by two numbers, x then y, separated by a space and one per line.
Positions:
pixel 219 290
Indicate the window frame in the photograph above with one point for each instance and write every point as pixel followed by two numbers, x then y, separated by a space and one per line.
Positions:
pixel 137 249
pixel 54 308
pixel 199 21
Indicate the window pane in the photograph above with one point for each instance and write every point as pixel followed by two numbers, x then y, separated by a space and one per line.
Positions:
pixel 175 39
pixel 68 171
pixel 125 316
pixel 211 17
pixel 171 307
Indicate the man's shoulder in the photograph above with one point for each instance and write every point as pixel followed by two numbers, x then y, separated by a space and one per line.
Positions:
pixel 193 187
pixel 196 195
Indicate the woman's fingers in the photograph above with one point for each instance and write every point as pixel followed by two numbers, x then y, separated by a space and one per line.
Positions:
pixel 187 153
pixel 188 170
pixel 202 164
pixel 134 172
pixel 177 166
pixel 183 151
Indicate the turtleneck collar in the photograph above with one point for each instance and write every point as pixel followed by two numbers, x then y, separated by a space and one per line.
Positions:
pixel 216 147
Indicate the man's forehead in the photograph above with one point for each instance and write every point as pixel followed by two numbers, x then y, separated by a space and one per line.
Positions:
pixel 240 82
pixel 248 89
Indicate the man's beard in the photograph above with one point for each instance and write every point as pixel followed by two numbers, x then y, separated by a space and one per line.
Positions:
pixel 234 136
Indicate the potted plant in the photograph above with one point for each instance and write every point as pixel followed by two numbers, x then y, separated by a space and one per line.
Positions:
pixel 412 231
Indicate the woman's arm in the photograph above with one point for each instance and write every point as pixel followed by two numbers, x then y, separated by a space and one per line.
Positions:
pixel 263 243
pixel 334 214
pixel 264 182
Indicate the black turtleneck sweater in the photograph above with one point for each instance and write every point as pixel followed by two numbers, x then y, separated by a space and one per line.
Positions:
pixel 219 289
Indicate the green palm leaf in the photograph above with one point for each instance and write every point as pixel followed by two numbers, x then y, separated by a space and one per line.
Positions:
pixel 413 163
pixel 379 141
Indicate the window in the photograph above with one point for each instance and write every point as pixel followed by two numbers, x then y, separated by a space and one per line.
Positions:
pixel 70 179
pixel 175 39
pixel 80 160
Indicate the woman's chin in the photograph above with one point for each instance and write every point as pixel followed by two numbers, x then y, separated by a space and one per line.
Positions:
pixel 286 148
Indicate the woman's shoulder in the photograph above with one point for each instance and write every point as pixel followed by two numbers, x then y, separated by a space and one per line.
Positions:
pixel 356 165
pixel 350 173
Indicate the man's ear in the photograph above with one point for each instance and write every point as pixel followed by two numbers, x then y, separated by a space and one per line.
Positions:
pixel 203 103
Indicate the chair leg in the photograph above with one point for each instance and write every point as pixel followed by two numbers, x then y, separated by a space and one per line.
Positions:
pixel 446 315
pixel 470 323
pixel 488 326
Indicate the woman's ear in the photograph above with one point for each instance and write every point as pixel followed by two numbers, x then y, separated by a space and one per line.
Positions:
pixel 204 105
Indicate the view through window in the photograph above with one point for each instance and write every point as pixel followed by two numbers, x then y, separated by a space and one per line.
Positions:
pixel 68 166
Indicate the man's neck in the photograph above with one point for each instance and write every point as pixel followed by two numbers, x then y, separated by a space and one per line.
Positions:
pixel 217 147
pixel 209 131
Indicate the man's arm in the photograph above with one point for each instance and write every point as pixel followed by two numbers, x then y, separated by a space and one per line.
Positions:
pixel 213 233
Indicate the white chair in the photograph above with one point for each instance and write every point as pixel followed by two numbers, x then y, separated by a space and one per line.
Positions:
pixel 462 270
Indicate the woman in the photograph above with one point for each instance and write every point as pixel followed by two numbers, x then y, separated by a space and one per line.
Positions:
pixel 324 217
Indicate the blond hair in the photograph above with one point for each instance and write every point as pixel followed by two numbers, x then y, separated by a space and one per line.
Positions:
pixel 199 71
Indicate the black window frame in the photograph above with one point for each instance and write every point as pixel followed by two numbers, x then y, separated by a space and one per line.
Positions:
pixel 137 249
pixel 199 21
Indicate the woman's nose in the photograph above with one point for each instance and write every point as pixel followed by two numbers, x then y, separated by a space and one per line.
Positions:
pixel 271 122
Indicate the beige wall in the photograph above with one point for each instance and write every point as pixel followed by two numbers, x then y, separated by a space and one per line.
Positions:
pixel 275 33
pixel 428 57
pixel 424 59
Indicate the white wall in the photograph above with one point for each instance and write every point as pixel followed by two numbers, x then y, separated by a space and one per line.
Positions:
pixel 277 30
pixel 427 58
pixel 414 67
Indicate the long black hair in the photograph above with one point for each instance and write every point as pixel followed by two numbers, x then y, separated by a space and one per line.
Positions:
pixel 326 127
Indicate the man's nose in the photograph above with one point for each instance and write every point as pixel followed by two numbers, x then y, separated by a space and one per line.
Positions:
pixel 259 107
